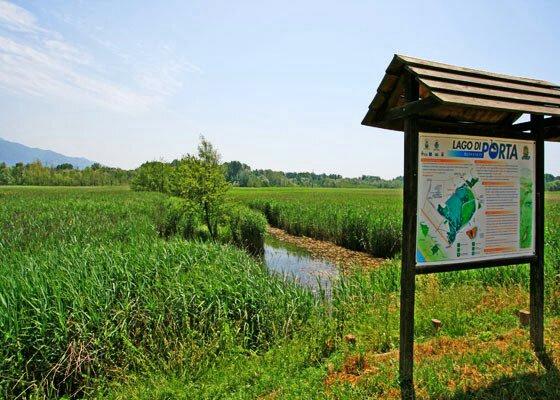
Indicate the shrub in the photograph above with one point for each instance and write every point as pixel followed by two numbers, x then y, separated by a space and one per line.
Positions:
pixel 239 225
pixel 176 216
pixel 247 228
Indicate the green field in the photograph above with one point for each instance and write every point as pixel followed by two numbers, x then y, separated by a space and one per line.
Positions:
pixel 95 304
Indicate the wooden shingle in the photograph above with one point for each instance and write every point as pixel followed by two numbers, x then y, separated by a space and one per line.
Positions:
pixel 460 95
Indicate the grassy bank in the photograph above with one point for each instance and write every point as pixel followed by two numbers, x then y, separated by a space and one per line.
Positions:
pixel 481 352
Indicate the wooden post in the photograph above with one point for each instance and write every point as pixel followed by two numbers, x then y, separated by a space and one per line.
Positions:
pixel 408 274
pixel 537 266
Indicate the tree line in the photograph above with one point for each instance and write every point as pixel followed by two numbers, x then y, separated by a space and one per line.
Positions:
pixel 239 174
pixel 157 176
pixel 36 173
pixel 552 183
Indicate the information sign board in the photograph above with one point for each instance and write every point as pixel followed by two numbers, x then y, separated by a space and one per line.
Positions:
pixel 476 198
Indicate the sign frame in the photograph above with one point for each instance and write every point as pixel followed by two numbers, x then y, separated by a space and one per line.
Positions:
pixel 409 268
pixel 435 153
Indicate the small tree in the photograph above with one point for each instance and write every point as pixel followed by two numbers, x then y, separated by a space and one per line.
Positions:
pixel 201 179
pixel 64 166
pixel 152 176
pixel 5 174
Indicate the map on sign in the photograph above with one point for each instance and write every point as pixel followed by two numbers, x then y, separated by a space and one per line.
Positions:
pixel 475 199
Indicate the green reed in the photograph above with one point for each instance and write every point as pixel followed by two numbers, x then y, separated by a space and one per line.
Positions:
pixel 88 289
pixel 358 219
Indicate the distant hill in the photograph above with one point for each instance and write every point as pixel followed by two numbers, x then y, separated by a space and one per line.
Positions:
pixel 12 153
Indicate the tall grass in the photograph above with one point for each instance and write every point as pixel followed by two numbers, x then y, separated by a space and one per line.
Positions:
pixel 247 228
pixel 364 220
pixel 87 289
pixel 175 216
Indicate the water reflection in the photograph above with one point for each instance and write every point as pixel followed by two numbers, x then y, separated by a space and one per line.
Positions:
pixel 292 261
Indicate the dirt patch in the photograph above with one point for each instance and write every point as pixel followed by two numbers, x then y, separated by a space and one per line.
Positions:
pixel 353 368
pixel 502 299
pixel 344 258
pixel 357 367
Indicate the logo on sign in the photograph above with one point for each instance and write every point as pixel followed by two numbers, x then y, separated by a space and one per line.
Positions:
pixel 526 155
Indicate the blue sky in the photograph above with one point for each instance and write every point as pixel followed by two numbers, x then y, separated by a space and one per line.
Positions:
pixel 281 85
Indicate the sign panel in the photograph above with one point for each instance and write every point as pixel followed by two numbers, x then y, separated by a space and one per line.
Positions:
pixel 476 199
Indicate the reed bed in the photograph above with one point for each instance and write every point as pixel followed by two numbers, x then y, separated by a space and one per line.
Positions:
pixel 89 290
pixel 358 219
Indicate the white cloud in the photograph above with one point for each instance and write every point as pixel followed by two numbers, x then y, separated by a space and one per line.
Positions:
pixel 68 52
pixel 15 18
pixel 163 80
pixel 34 71
pixel 163 75
pixel 39 62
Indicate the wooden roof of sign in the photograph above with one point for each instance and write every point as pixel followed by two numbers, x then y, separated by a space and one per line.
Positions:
pixel 458 95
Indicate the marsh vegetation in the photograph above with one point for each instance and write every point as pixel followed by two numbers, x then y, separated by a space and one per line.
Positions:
pixel 94 302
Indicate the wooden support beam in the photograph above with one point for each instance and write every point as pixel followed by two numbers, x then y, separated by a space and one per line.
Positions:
pixel 408 276
pixel 471 129
pixel 547 122
pixel 414 107
pixel 552 134
pixel 551 122
pixel 430 269
pixel 396 98
pixel 507 122
pixel 522 126
pixel 537 267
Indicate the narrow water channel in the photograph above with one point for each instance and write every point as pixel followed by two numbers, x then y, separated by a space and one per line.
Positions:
pixel 291 261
